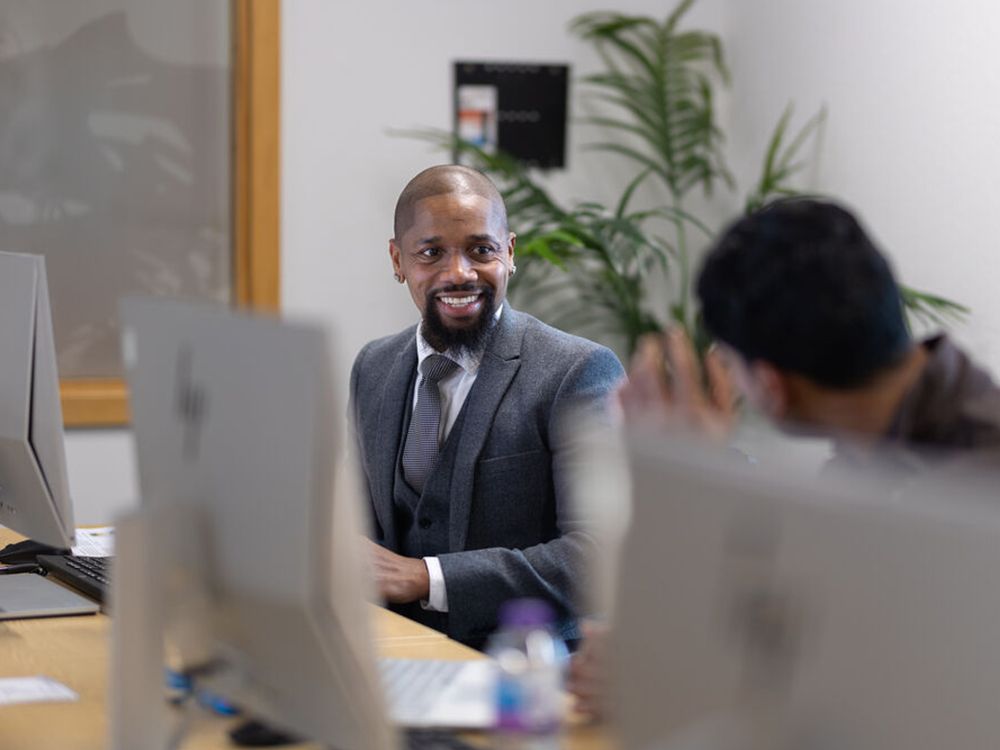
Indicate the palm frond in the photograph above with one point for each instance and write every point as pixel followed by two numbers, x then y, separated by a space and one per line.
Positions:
pixel 931 308
pixel 779 164
pixel 659 80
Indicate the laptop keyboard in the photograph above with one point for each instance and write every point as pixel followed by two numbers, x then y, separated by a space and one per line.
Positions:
pixel 90 575
pixel 254 733
pixel 412 685
pixel 433 739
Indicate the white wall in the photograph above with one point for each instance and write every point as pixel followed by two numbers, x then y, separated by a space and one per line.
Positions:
pixel 911 139
pixel 102 474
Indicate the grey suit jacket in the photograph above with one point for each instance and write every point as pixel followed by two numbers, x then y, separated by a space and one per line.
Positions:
pixel 512 532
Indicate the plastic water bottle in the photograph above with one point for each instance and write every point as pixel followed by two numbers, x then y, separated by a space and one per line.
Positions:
pixel 531 661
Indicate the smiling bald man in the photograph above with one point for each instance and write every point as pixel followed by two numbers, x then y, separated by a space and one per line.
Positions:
pixel 458 420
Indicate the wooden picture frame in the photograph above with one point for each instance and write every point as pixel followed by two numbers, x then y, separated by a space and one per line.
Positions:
pixel 256 119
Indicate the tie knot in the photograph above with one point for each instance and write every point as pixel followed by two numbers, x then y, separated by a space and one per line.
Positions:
pixel 436 366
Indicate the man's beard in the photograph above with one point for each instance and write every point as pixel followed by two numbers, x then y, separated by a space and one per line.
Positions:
pixel 470 338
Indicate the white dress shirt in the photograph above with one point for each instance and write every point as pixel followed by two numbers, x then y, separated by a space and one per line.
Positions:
pixel 454 389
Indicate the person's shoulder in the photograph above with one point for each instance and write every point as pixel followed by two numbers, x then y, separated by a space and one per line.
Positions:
pixel 952 361
pixel 376 353
pixel 550 343
pixel 538 332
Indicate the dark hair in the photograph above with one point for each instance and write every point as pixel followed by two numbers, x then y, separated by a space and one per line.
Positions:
pixel 800 285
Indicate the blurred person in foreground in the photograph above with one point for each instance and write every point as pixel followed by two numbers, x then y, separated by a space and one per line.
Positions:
pixel 810 328
pixel 459 418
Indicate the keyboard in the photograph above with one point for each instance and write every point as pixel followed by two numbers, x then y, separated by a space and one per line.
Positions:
pixel 90 576
pixel 254 733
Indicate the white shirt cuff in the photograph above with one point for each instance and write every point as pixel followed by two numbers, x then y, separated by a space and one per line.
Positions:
pixel 437 600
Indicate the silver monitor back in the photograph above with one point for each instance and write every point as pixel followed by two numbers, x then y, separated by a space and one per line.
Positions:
pixel 234 420
pixel 34 493
pixel 760 609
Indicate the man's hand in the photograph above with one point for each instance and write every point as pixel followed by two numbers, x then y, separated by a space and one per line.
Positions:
pixel 588 678
pixel 400 580
pixel 665 387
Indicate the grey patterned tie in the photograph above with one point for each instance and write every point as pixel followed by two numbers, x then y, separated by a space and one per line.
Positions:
pixel 422 439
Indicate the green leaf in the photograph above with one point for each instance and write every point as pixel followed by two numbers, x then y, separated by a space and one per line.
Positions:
pixel 630 190
pixel 931 307
pixel 779 165
pixel 541 247
pixel 632 153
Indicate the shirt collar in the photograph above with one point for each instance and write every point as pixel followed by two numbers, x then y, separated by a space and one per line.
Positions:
pixel 468 361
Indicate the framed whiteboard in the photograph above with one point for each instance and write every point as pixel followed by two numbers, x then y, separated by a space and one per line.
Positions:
pixel 139 154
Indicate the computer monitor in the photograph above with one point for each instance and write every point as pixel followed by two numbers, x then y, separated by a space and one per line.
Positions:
pixel 252 572
pixel 761 608
pixel 34 494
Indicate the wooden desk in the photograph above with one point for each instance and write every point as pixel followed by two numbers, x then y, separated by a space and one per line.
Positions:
pixel 74 651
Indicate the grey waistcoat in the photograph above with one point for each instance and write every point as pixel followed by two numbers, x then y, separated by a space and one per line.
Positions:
pixel 422 521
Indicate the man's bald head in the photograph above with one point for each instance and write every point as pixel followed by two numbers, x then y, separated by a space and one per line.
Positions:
pixel 444 179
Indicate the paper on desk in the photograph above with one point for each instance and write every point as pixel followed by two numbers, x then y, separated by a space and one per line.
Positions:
pixel 36 689
pixel 95 542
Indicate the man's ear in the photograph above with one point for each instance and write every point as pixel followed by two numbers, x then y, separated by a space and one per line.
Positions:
pixel 774 394
pixel 394 255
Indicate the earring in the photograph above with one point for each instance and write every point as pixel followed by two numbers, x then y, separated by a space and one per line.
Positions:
pixel 513 269
pixel 398 278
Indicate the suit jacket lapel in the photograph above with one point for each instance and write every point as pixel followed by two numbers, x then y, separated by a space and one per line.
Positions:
pixel 500 363
pixel 388 434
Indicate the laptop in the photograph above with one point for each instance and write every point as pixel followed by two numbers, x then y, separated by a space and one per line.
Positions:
pixel 27 595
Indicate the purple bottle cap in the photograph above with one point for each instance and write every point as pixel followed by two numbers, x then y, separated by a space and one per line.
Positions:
pixel 526 613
